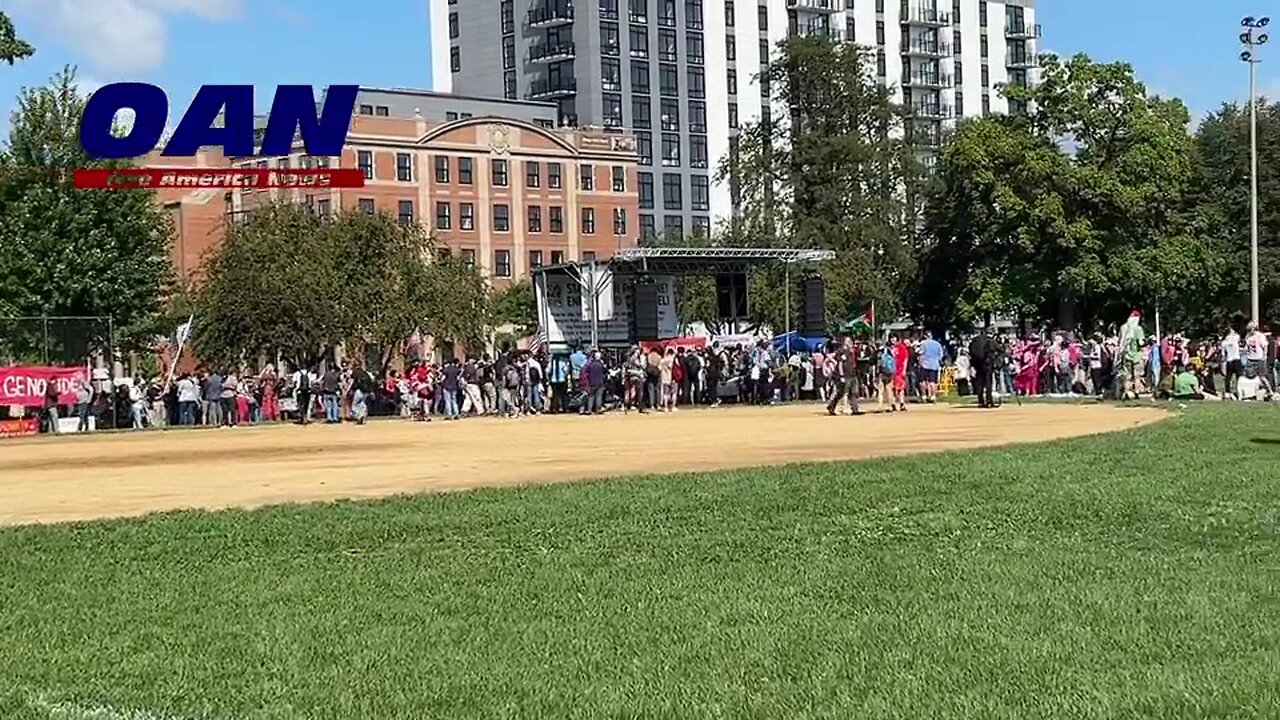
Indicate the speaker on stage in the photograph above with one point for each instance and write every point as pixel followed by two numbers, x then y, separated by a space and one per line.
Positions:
pixel 645 317
pixel 731 296
pixel 814 320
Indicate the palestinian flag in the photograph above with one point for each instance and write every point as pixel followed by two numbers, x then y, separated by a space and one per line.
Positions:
pixel 863 324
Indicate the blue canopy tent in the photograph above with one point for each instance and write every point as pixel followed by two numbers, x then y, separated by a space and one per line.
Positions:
pixel 795 342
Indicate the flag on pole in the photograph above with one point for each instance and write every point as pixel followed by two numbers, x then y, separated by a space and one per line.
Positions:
pixel 184 331
pixel 181 334
pixel 539 342
pixel 864 323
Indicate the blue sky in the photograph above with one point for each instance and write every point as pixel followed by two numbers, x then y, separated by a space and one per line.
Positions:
pixel 1186 48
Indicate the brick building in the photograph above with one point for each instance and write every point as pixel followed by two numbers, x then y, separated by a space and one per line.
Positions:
pixel 503 193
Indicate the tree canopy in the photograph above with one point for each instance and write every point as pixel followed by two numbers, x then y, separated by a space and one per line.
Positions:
pixel 833 164
pixel 286 280
pixel 12 47
pixel 516 305
pixel 1222 190
pixel 1074 210
pixel 70 252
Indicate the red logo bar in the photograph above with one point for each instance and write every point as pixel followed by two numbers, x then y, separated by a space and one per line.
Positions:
pixel 155 178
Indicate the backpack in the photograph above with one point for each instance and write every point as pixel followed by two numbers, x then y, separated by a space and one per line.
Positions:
pixel 888 365
pixel 513 377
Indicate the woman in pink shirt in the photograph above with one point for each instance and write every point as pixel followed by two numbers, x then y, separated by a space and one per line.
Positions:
pixel 901 356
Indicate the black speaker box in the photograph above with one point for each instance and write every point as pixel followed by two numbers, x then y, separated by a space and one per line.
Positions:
pixel 731 296
pixel 814 319
pixel 645 316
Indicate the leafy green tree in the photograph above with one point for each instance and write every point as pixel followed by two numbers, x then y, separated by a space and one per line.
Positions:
pixel 456 303
pixel 273 285
pixel 285 280
pixel 836 168
pixel 394 282
pixel 70 252
pixel 515 305
pixel 1074 211
pixel 12 48
pixel 1222 189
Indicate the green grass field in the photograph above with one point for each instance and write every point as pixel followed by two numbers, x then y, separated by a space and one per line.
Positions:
pixel 1130 575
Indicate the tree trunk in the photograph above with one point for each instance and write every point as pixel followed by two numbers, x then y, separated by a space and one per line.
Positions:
pixel 1066 313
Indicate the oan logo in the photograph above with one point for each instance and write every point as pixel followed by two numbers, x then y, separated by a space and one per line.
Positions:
pixel 293 114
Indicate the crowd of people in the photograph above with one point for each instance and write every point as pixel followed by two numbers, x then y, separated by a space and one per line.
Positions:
pixel 893 372
pixel 1130 363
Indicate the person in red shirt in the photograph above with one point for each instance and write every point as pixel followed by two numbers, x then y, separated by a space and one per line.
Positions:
pixel 901 355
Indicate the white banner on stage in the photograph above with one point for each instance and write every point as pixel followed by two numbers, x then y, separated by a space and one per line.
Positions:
pixel 601 281
pixel 566 313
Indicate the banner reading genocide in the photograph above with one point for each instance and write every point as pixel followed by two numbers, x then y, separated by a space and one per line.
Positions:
pixel 25 384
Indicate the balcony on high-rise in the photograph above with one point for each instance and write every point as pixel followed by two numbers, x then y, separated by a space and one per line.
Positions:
pixel 551 52
pixel 815 30
pixel 1020 58
pixel 544 88
pixel 927 80
pixel 1018 30
pixel 550 15
pixel 816 6
pixel 926 16
pixel 932 111
pixel 927 48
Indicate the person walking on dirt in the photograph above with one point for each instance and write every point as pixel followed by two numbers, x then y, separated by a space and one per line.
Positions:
pixel 846 368
pixel 901 358
pixel 302 381
pixel 982 360
pixel 330 385
pixel 211 388
pixel 362 386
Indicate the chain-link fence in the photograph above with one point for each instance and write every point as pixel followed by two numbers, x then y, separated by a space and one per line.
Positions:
pixel 66 341
pixel 77 342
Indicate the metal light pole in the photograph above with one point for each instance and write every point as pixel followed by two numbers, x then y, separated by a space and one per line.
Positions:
pixel 1253 37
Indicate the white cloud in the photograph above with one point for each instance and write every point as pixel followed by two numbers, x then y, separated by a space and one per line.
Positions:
pixel 122 37
pixel 87 84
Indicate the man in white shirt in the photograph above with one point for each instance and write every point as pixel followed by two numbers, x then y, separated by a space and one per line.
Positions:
pixel 1255 349
pixel 188 399
pixel 1231 366
pixel 302 380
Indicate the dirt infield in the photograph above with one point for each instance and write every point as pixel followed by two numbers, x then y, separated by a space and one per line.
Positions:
pixel 81 478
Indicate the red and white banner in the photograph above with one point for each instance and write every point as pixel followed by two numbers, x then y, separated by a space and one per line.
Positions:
pixel 20 427
pixel 26 385
pixel 689 343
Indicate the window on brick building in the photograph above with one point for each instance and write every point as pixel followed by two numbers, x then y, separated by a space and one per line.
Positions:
pixel 502 263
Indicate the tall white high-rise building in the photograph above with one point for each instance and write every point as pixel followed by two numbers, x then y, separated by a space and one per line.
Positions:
pixel 680 74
